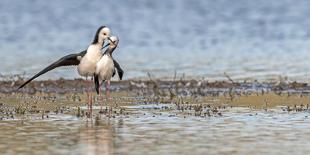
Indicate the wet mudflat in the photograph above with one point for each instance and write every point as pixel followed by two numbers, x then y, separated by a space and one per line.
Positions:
pixel 143 118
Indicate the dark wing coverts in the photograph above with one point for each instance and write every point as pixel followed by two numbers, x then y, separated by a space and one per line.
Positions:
pixel 69 60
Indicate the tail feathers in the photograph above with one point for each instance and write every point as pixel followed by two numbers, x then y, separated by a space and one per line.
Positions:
pixel 120 74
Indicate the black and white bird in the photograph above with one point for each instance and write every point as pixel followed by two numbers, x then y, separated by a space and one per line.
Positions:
pixel 105 68
pixel 86 61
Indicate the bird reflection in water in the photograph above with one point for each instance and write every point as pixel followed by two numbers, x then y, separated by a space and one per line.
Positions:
pixel 97 138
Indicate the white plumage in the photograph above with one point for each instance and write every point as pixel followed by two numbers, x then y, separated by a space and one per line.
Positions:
pixel 105 68
pixel 87 66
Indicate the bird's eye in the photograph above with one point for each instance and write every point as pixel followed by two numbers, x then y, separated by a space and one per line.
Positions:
pixel 104 34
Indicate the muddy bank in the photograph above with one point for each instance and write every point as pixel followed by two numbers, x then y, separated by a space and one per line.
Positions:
pixel 197 97
pixel 159 87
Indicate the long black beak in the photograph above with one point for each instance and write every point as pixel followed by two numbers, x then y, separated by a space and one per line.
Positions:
pixel 106 45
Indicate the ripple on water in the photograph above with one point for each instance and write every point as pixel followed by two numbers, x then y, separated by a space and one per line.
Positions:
pixel 154 131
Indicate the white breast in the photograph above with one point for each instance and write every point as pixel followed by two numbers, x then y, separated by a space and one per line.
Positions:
pixel 87 66
pixel 105 67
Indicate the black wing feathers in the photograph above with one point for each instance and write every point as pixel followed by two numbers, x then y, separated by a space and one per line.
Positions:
pixel 69 60
pixel 119 69
pixel 97 83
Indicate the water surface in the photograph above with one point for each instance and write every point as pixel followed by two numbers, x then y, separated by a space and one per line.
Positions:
pixel 155 131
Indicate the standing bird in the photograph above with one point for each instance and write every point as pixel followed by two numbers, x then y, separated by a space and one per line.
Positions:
pixel 105 68
pixel 85 61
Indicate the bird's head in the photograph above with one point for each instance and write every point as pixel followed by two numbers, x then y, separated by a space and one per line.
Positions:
pixel 102 34
pixel 113 41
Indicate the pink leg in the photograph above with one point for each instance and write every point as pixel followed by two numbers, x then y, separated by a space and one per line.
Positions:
pixel 90 96
pixel 87 93
pixel 100 100
pixel 108 89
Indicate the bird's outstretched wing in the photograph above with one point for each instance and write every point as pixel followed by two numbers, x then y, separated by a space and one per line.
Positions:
pixel 68 60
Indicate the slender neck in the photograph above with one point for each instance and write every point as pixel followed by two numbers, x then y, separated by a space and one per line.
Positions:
pixel 109 51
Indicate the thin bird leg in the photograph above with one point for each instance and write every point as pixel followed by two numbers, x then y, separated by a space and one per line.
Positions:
pixel 90 96
pixel 100 100
pixel 87 92
pixel 108 89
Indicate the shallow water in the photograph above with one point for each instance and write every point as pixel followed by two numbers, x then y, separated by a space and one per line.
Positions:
pixel 258 39
pixel 152 130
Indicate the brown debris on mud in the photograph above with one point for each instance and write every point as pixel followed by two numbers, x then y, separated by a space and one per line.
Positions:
pixel 200 96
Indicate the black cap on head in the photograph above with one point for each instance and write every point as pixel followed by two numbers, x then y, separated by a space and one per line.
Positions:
pixel 97 34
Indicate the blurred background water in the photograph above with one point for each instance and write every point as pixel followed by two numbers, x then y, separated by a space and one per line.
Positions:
pixel 202 38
